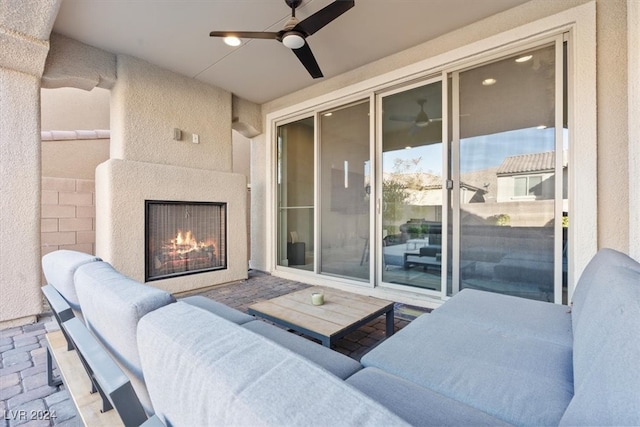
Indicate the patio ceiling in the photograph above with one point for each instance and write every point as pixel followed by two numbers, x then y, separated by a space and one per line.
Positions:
pixel 174 34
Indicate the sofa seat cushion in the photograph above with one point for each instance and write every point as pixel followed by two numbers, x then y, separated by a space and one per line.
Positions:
pixel 518 379
pixel 59 267
pixel 418 405
pixel 204 370
pixel 336 363
pixel 513 315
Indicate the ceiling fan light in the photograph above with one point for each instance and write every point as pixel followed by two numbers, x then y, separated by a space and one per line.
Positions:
pixel 232 41
pixel 293 40
pixel 422 120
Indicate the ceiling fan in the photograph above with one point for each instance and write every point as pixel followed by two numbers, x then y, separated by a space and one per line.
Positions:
pixel 421 120
pixel 295 32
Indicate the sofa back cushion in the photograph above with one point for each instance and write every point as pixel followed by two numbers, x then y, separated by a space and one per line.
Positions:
pixel 606 345
pixel 59 267
pixel 112 305
pixel 595 272
pixel 202 369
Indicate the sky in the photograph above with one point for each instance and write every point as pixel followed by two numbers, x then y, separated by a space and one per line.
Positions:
pixel 477 153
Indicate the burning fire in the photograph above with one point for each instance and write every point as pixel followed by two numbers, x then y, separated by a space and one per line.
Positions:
pixel 187 242
pixel 185 253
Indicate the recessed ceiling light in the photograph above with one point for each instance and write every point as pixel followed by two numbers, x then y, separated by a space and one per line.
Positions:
pixel 328 114
pixel 541 127
pixel 232 41
pixel 524 58
pixel 408 147
pixel 488 82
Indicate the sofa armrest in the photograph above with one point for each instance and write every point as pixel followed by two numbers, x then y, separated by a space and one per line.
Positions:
pixel 112 384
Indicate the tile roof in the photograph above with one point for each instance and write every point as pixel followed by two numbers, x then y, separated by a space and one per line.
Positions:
pixel 536 162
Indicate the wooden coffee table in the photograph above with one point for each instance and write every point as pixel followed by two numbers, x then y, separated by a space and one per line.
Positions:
pixel 341 313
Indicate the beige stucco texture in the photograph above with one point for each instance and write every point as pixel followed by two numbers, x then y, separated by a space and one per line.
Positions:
pixel 147 103
pixel 123 187
pixel 147 163
pixel 24 33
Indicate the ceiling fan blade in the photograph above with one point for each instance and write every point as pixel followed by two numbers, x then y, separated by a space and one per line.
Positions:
pixel 245 34
pixel 402 118
pixel 322 17
pixel 305 56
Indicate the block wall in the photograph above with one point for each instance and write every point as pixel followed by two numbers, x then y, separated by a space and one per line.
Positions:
pixel 68 215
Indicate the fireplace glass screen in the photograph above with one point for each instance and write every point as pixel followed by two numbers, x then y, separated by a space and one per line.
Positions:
pixel 184 238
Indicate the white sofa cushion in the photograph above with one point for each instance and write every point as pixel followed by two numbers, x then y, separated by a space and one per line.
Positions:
pixel 519 316
pixel 204 370
pixel 112 304
pixel 518 379
pixel 59 267
pixel 606 351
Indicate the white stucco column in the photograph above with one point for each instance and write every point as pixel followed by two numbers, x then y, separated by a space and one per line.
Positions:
pixel 633 51
pixel 25 26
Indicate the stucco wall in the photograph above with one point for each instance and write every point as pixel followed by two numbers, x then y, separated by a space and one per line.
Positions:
pixel 19 200
pixel 147 103
pixel 123 186
pixel 613 131
pixel 24 32
pixel 633 51
pixel 75 158
pixel 74 109
pixel 146 163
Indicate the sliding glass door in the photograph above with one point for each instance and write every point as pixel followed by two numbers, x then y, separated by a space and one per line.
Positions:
pixel 510 176
pixel 345 184
pixel 412 186
pixel 466 187
pixel 295 192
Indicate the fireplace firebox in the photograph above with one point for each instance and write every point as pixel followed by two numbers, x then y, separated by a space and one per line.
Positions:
pixel 184 238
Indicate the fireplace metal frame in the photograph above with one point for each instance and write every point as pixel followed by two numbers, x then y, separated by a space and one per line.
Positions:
pixel 224 238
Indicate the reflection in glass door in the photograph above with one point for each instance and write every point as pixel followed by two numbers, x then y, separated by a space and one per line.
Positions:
pixel 510 176
pixel 345 191
pixel 295 184
pixel 412 179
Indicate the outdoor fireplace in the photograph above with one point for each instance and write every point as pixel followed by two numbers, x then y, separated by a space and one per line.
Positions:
pixel 184 238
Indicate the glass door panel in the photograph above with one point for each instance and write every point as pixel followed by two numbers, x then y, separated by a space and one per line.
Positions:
pixel 506 185
pixel 412 193
pixel 295 182
pixel 344 191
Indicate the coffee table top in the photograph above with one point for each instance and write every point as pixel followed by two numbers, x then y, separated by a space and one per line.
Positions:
pixel 340 312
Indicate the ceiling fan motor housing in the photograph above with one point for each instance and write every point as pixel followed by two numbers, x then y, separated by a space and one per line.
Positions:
pixel 293 3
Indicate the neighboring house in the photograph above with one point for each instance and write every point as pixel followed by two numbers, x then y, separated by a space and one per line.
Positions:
pixel 528 177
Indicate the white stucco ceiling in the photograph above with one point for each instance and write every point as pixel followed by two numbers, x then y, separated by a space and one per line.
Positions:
pixel 174 34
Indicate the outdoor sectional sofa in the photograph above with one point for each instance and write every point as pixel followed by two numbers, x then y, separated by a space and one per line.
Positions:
pixel 479 359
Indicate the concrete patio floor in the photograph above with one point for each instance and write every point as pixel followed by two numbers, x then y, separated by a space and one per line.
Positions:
pixel 27 400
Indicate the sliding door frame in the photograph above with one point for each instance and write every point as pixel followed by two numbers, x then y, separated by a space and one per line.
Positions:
pixel 380 264
pixel 557 41
pixel 579 21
